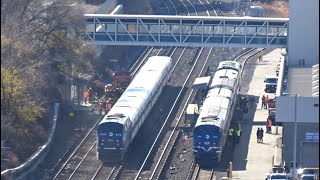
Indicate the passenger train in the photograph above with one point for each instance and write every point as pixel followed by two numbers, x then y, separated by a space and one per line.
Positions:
pixel 210 131
pixel 118 128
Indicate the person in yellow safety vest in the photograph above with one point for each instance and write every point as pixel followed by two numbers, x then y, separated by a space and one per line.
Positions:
pixel 238 131
pixel 230 134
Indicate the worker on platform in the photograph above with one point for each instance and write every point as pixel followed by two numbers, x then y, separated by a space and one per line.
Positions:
pixel 245 112
pixel 258 135
pixel 269 125
pixel 263 100
pixel 261 135
pixel 230 134
pixel 238 132
pixel 100 107
pixel 252 101
pixel 267 102
pixel 241 102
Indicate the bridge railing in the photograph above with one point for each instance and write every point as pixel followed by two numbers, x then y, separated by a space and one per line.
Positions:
pixel 160 30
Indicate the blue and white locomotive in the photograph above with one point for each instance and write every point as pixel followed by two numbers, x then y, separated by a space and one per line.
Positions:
pixel 210 131
pixel 118 128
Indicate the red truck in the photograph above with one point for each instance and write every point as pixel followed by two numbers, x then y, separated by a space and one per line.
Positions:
pixel 122 79
pixel 114 90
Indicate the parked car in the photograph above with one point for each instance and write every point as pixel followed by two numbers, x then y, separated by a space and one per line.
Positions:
pixel 278 176
pixel 270 83
pixel 307 177
pixel 308 173
pixel 278 169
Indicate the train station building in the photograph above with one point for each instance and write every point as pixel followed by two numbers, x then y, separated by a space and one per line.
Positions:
pixel 299 114
pixel 297 97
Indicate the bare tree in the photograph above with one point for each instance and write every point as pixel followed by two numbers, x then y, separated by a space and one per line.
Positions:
pixel 35 34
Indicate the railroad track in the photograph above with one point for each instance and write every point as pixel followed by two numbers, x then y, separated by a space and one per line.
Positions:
pixel 195 172
pixel 207 174
pixel 83 164
pixel 84 152
pixel 203 174
pixel 127 174
pixel 174 133
pixel 117 170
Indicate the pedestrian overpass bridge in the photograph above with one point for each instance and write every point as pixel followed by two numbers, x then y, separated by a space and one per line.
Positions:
pixel 191 31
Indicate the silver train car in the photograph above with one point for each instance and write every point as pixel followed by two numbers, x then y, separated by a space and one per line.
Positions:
pixel 210 131
pixel 118 128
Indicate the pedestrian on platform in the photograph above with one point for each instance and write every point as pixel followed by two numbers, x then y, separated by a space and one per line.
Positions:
pixel 245 112
pixel 230 133
pixel 90 92
pixel 269 125
pixel 238 132
pixel 234 136
pixel 246 100
pixel 251 101
pixel 266 102
pixel 85 96
pixel 100 107
pixel 242 102
pixel 263 100
pixel 261 135
pixel 104 106
pixel 96 97
pixel 258 135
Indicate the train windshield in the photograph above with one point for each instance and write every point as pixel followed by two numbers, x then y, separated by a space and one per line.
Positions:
pixel 207 135
pixel 110 135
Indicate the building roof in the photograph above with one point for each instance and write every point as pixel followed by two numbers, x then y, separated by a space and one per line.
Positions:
pixel 300 81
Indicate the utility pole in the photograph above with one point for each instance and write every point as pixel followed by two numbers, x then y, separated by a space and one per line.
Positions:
pixel 294 174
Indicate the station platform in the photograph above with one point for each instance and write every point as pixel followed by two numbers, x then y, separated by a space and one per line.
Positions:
pixel 252 160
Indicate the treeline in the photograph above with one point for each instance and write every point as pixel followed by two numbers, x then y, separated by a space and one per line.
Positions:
pixel 39 41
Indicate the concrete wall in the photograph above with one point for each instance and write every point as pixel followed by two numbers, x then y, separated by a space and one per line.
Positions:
pixel 288 135
pixel 303 31
pixel 306 109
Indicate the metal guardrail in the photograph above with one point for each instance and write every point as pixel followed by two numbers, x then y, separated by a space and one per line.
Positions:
pixel 27 167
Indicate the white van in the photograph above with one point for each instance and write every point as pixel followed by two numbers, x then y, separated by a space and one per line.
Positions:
pixel 270 83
